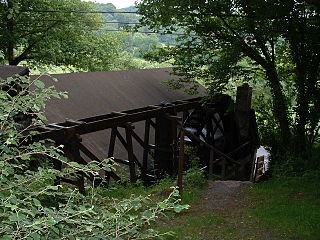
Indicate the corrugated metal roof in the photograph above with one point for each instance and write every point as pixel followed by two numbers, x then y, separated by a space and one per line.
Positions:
pixel 97 93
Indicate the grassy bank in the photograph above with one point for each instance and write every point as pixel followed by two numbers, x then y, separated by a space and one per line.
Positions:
pixel 284 208
pixel 289 205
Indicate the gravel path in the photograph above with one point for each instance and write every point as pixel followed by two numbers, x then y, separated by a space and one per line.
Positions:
pixel 225 195
pixel 229 200
pixel 222 213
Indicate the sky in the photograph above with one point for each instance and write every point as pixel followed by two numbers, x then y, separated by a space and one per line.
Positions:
pixel 117 3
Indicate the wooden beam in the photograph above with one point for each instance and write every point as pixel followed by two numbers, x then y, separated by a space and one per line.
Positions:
pixel 163 146
pixel 211 162
pixel 174 143
pixel 185 115
pixel 112 141
pixel 132 166
pixel 152 124
pixel 72 151
pixel 201 142
pixel 121 161
pixel 223 169
pixel 103 122
pixel 125 145
pixel 181 163
pixel 146 150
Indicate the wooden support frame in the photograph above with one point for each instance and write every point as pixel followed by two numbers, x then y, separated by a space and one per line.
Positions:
pixel 112 141
pixel 181 163
pixel 131 157
pixel 146 149
pixel 72 151
pixel 69 132
pixel 164 149
pixel 126 145
pixel 87 152
pixel 211 164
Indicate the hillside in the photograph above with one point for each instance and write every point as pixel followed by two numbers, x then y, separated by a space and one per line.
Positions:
pixel 138 42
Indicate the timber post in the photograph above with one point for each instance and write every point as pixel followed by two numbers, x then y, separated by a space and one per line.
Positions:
pixel 131 158
pixel 243 108
pixel 181 163
pixel 243 116
pixel 146 149
pixel 163 148
pixel 163 157
pixel 72 152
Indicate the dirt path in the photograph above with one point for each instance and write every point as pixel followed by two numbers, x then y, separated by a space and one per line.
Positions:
pixel 229 200
pixel 225 195
pixel 221 214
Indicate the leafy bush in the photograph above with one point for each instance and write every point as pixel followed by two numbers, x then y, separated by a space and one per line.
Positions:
pixel 31 207
pixel 194 176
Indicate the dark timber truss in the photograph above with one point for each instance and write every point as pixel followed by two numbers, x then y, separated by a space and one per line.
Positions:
pixel 164 121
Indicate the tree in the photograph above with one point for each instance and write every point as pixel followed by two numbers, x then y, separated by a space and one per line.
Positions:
pixel 272 36
pixel 55 32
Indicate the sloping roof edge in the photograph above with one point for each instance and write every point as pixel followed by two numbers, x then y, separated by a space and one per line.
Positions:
pixel 9 71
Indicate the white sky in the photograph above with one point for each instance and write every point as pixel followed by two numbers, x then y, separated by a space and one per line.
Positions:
pixel 117 3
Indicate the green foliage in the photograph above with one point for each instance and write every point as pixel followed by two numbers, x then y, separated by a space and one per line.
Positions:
pixel 49 32
pixel 127 61
pixel 194 179
pixel 49 35
pixel 268 126
pixel 136 42
pixel 194 176
pixel 232 40
pixel 31 207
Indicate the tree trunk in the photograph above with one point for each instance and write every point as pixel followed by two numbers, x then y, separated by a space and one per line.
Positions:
pixel 10 44
pixel 302 112
pixel 280 107
pixel 306 91
pixel 10 52
pixel 306 72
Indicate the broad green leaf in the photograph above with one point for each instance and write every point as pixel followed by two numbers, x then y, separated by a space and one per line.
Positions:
pixel 39 84
pixel 36 202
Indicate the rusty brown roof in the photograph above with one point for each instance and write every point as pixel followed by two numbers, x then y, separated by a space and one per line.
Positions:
pixel 97 93
pixel 8 71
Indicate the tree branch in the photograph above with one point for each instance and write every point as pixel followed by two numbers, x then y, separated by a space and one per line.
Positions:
pixel 249 51
pixel 25 54
pixel 260 42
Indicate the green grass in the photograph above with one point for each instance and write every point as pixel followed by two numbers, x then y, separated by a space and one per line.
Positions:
pixel 290 205
pixel 191 226
pixel 286 208
pixel 126 190
pixel 282 209
pixel 200 223
pixel 194 182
